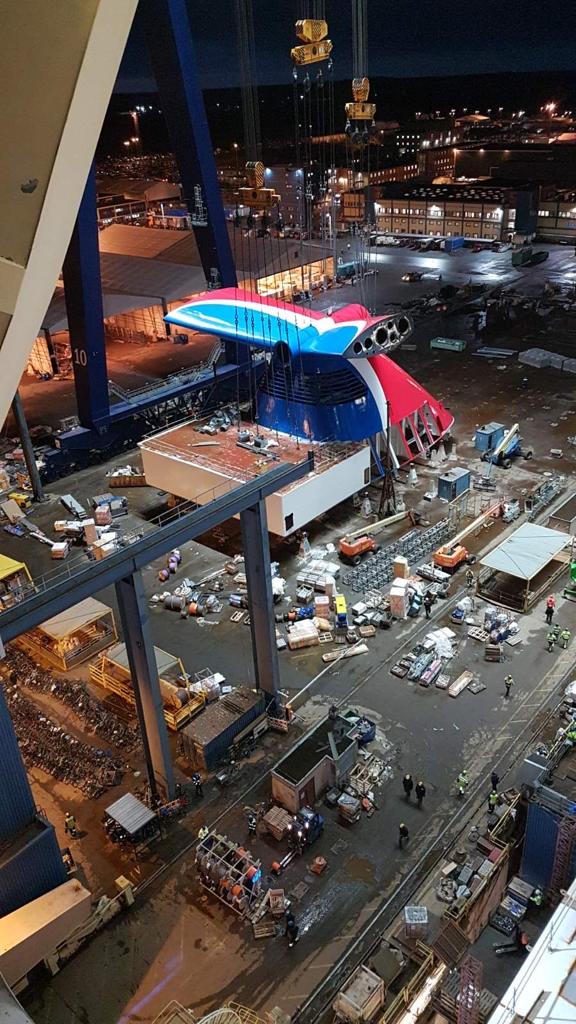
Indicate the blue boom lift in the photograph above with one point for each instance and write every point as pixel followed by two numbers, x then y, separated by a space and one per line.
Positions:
pixel 509 447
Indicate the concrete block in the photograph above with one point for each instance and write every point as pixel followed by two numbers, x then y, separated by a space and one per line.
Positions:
pixel 539 357
pixel 556 360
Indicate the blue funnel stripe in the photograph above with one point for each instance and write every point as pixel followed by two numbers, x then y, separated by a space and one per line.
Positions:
pixel 264 328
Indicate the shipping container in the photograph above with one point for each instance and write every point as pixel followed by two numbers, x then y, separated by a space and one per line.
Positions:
pixel 30 866
pixel 453 483
pixel 489 436
pixel 451 244
pixel 207 739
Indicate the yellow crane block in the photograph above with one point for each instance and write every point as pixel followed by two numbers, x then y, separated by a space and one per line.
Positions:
pixel 311 53
pixel 360 111
pixel 255 173
pixel 258 198
pixel 311 30
pixel 360 89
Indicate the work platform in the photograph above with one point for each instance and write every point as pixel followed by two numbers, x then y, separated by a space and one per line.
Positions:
pixel 195 466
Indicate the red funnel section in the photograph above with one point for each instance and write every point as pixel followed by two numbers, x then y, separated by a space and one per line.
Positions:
pixel 417 419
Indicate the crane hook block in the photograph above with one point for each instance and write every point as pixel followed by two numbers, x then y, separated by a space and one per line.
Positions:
pixel 258 198
pixel 311 30
pixel 311 53
pixel 360 89
pixel 360 111
pixel 255 173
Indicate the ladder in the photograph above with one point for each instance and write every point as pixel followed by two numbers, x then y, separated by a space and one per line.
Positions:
pixel 468 1011
pixel 562 855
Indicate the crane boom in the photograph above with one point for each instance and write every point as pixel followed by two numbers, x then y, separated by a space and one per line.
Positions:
pixel 473 525
pixel 501 448
pixel 380 523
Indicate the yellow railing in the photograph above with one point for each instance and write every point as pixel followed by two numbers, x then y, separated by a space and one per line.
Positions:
pixel 407 994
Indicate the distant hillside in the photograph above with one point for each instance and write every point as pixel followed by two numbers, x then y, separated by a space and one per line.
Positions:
pixel 396 98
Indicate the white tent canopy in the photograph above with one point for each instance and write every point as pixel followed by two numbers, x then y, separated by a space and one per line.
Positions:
pixel 527 551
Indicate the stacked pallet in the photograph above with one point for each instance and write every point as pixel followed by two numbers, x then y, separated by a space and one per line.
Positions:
pixel 276 821
pixel 302 634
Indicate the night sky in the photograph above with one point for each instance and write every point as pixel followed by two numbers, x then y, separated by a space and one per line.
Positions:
pixel 407 38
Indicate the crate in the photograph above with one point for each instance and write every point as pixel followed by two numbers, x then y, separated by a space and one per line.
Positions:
pixel 460 684
pixel 416 922
pixel 361 997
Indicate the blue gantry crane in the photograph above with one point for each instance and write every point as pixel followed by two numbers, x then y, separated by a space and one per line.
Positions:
pixel 31 859
pixel 107 426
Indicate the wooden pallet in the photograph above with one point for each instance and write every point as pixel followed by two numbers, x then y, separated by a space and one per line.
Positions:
pixel 365 776
pixel 493 652
pixel 264 929
pixel 325 638
pixel 477 633
pixel 276 822
pixel 366 632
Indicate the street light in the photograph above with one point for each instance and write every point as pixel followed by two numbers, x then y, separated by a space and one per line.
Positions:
pixel 235 147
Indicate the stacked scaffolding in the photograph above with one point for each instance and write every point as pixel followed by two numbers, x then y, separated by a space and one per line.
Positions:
pixel 229 872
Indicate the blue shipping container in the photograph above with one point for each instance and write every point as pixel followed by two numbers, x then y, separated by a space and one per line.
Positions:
pixel 540 847
pixel 488 436
pixel 451 244
pixel 211 734
pixel 453 483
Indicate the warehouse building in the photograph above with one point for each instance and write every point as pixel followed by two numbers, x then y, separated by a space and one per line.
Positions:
pixel 557 215
pixel 485 210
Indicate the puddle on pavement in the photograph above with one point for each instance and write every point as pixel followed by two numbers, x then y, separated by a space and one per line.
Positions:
pixel 360 869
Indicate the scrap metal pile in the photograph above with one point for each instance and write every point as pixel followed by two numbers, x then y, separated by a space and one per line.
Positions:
pixel 45 744
pixel 103 723
pixel 378 569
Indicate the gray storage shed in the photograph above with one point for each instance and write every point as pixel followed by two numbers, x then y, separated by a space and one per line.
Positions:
pixel 564 518
pixel 522 568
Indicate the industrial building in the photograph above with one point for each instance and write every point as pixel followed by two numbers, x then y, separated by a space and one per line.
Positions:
pixel 484 210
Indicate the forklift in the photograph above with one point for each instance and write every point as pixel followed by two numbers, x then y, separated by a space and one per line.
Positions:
pixel 305 828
